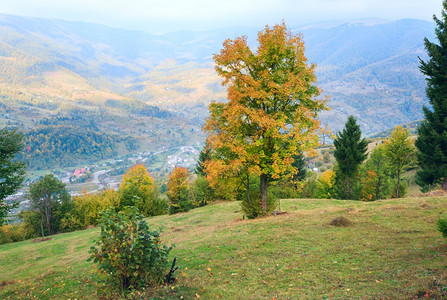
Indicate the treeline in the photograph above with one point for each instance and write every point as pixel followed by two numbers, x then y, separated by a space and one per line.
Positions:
pixel 65 145
pixel 53 210
pixel 138 108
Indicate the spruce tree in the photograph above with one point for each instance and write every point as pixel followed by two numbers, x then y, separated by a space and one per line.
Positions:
pixel 12 170
pixel 204 155
pixel 432 139
pixel 300 163
pixel 350 152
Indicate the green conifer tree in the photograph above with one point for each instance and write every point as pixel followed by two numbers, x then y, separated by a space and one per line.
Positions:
pixel 12 170
pixel 204 155
pixel 432 140
pixel 350 152
pixel 300 163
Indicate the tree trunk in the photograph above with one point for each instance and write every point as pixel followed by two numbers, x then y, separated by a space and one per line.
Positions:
pixel 398 185
pixel 263 185
pixel 41 228
pixel 48 217
pixel 444 184
pixel 248 187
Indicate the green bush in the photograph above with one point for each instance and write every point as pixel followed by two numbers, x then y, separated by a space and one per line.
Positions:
pixel 16 232
pixel 86 209
pixel 442 226
pixel 128 254
pixel 252 208
pixel 284 190
pixel 402 190
pixel 202 192
pixel 309 186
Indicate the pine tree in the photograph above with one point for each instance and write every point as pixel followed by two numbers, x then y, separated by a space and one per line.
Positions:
pixel 432 140
pixel 350 152
pixel 300 164
pixel 12 170
pixel 204 155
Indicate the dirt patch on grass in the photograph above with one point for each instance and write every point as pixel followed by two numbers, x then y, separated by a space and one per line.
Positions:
pixel 435 193
pixel 397 207
pixel 5 283
pixel 340 222
pixel 425 206
pixel 41 240
pixel 437 289
pixel 278 213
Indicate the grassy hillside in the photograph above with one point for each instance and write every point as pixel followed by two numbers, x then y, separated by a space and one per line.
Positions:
pixel 391 250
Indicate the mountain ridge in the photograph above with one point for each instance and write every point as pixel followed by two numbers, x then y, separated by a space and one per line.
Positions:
pixel 368 68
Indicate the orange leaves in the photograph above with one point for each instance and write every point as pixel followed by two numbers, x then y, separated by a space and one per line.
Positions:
pixel 271 110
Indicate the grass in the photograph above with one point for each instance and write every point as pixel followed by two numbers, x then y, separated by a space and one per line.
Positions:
pixel 392 249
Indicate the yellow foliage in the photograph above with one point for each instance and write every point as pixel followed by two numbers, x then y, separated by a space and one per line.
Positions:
pixel 271 112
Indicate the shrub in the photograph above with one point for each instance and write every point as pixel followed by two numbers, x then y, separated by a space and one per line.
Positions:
pixel 309 186
pixel 202 191
pixel 402 190
pixel 86 209
pixel 442 226
pixel 128 254
pixel 14 233
pixel 252 208
pixel 285 190
pixel 325 185
pixel 369 183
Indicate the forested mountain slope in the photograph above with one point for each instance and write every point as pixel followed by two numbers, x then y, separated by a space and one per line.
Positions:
pixel 133 83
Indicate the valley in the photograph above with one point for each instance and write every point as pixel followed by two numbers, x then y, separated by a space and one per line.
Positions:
pixel 85 94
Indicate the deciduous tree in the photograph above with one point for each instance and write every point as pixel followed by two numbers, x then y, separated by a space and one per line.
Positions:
pixel 50 198
pixel 325 185
pixel 400 151
pixel 432 140
pixel 378 163
pixel 12 171
pixel 179 190
pixel 271 110
pixel 138 189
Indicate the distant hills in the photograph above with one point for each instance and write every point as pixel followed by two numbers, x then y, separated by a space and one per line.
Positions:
pixel 139 85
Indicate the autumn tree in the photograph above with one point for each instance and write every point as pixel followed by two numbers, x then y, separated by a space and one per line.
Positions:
pixel 369 182
pixel 325 185
pixel 12 171
pixel 432 139
pixel 271 110
pixel 400 152
pixel 138 189
pixel 49 197
pixel 179 190
pixel 350 153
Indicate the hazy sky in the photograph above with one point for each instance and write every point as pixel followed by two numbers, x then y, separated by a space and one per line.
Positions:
pixel 159 16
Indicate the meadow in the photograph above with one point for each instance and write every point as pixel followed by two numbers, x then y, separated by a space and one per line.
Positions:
pixel 390 250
